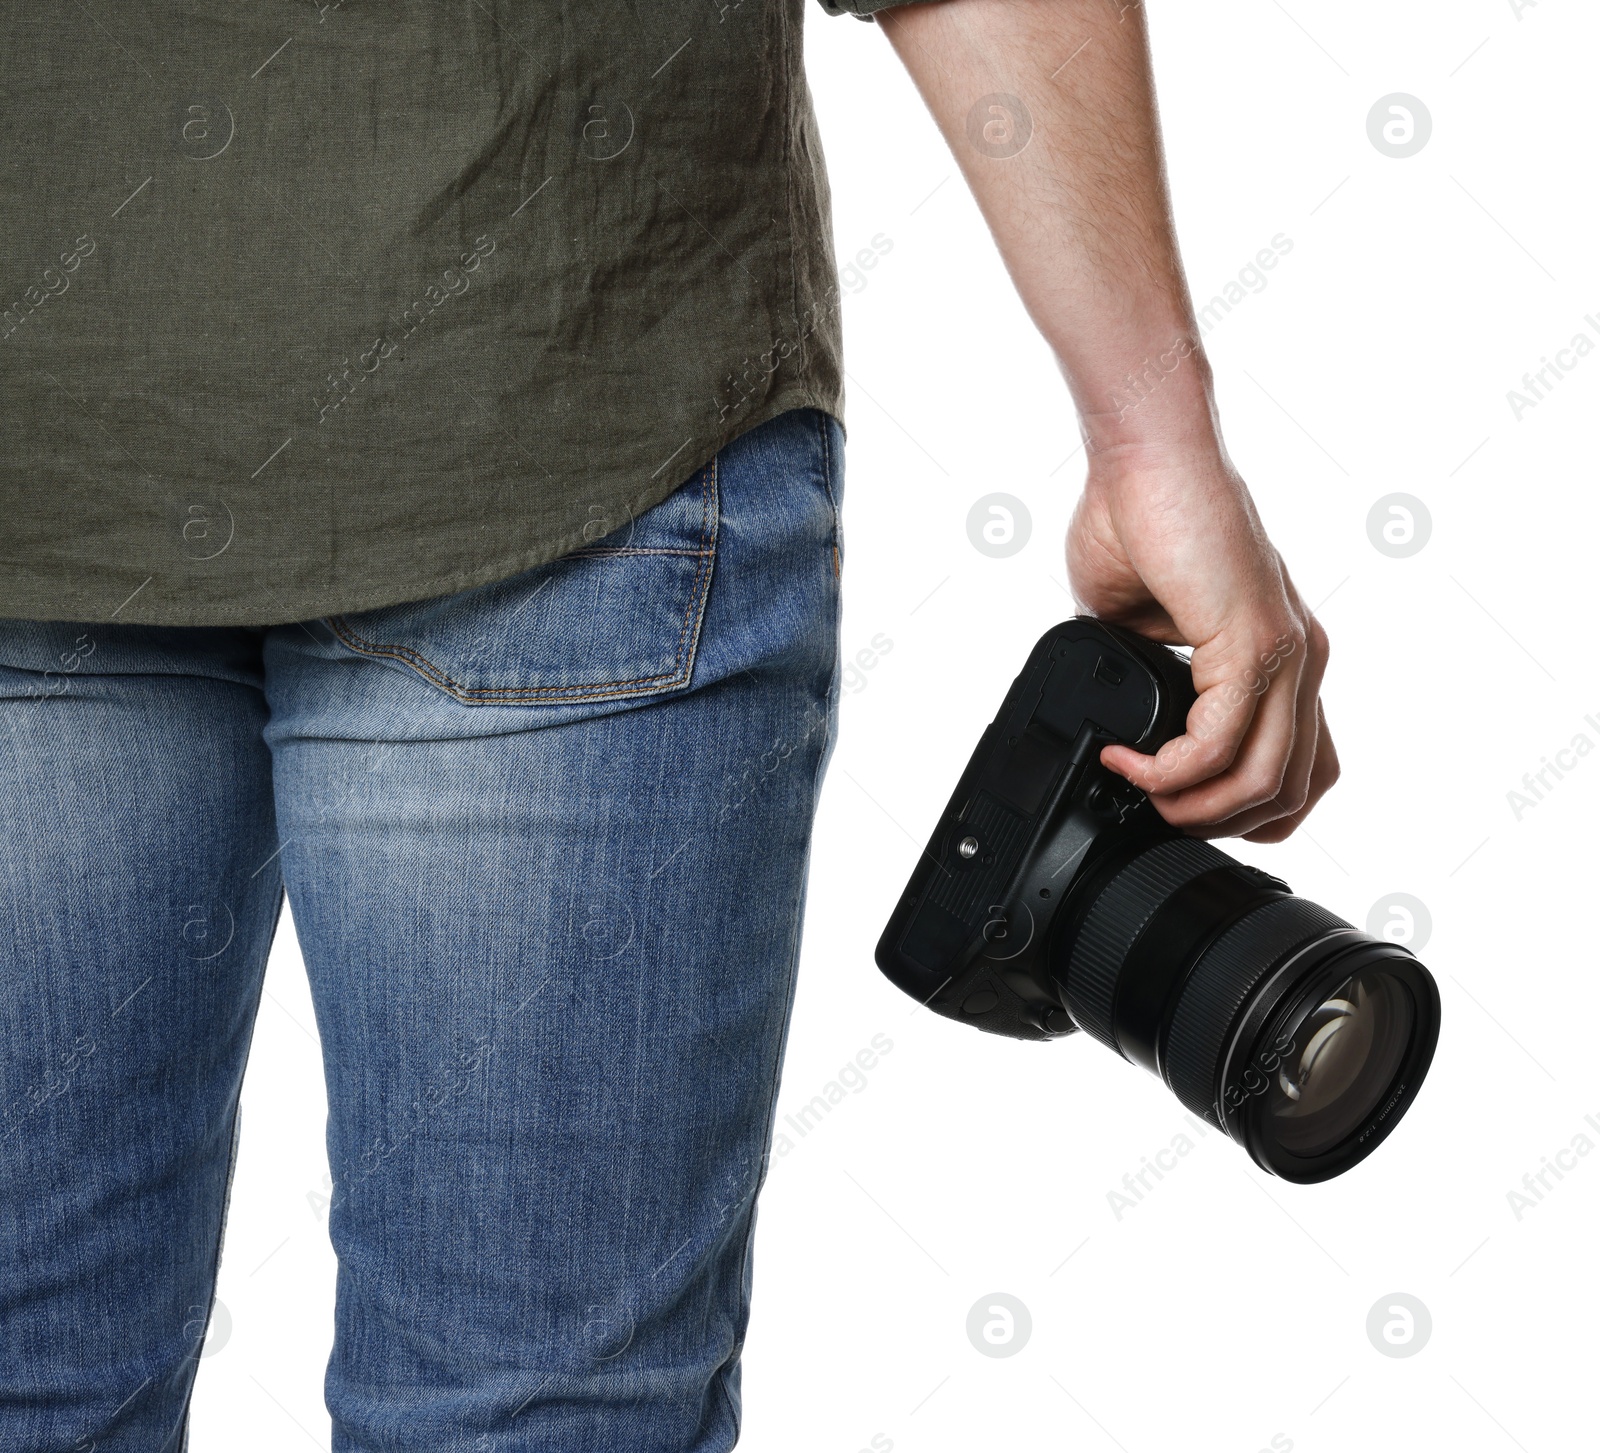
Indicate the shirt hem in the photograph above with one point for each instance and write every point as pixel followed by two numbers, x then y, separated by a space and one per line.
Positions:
pixel 374 596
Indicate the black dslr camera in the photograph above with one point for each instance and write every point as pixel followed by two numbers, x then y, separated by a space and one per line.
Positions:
pixel 1052 897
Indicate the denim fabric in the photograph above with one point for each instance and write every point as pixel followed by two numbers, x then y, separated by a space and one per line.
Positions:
pixel 545 844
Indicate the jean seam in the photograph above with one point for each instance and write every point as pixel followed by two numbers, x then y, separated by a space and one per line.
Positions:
pixel 222 1219
pixel 775 1074
pixel 216 1266
pixel 823 420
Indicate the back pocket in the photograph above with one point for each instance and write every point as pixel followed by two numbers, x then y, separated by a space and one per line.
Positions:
pixel 618 618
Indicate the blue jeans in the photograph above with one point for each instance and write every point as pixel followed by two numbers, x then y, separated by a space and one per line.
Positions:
pixel 545 843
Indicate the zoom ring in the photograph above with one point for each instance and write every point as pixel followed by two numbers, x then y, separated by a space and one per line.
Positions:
pixel 1219 986
pixel 1125 905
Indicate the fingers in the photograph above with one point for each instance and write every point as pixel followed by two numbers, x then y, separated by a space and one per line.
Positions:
pixel 1238 741
pixel 1216 727
pixel 1294 790
pixel 1324 773
pixel 1256 755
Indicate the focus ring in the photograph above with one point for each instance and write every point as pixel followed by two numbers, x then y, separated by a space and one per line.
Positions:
pixel 1220 985
pixel 1125 905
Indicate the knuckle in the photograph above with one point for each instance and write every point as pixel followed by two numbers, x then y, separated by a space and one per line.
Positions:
pixel 1325 771
pixel 1292 799
pixel 1214 756
pixel 1285 641
pixel 1262 784
pixel 1297 635
pixel 1317 640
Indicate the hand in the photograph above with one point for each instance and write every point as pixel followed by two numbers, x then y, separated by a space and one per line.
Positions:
pixel 1171 547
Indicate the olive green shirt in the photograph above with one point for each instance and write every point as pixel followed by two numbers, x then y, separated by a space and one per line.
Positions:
pixel 313 306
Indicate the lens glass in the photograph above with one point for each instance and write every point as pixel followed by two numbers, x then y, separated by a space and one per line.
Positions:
pixel 1346 1055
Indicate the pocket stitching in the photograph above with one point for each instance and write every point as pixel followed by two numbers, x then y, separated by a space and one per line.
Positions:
pixel 683 659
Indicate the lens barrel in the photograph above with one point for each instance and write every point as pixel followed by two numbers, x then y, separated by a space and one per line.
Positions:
pixel 1274 1020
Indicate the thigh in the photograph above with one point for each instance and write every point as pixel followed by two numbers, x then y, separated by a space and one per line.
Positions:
pixel 138 895
pixel 546 848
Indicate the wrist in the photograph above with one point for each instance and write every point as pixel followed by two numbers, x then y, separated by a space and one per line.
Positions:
pixel 1161 406
pixel 1191 452
pixel 1188 472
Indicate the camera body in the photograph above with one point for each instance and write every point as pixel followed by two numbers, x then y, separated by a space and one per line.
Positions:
pixel 1032 818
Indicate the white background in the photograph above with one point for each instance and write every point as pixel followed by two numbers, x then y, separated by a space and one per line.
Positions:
pixel 1226 1309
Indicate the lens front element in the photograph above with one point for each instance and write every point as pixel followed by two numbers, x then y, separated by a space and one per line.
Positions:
pixel 1350 1057
pixel 1352 1044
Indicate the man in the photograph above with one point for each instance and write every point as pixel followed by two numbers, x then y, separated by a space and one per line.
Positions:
pixel 422 496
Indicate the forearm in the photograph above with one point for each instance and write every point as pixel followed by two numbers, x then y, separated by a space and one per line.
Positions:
pixel 1165 537
pixel 1081 213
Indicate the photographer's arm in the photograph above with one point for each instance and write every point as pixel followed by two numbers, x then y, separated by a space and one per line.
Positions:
pixel 1165 539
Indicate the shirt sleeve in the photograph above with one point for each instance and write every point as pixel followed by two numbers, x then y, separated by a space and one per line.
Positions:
pixel 861 9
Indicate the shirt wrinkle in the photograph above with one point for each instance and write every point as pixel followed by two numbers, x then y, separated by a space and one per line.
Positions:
pixel 309 308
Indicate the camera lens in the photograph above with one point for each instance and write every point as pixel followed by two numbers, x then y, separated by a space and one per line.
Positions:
pixel 1349 1055
pixel 1301 1037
